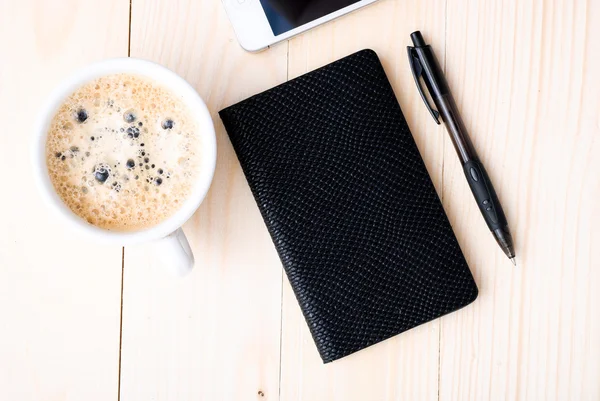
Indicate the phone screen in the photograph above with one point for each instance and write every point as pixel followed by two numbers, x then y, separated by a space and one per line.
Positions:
pixel 284 15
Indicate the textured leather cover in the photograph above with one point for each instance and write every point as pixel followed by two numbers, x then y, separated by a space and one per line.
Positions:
pixel 354 216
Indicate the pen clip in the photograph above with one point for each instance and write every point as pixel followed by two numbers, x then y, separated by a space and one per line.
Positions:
pixel 417 71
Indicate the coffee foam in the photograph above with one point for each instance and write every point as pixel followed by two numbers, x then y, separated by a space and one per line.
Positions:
pixel 123 152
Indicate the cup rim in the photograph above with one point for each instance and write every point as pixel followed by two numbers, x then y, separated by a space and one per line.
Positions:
pixel 163 76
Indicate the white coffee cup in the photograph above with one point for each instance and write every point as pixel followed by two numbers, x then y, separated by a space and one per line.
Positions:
pixel 170 241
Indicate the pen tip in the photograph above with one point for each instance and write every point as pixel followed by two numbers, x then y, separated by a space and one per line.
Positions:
pixel 514 262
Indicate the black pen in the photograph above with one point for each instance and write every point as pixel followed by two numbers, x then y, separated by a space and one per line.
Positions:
pixel 423 64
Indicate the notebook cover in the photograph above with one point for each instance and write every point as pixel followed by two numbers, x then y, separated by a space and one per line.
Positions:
pixel 346 197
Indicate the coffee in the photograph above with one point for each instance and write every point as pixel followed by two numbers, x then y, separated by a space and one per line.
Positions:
pixel 123 152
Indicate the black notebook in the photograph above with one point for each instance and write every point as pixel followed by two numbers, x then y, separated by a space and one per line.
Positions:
pixel 354 216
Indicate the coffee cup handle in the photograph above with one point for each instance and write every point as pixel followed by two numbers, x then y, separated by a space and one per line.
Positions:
pixel 175 252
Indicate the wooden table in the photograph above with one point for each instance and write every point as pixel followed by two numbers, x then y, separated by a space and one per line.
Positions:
pixel 83 321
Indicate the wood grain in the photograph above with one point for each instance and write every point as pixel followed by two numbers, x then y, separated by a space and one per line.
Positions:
pixel 59 295
pixel 525 74
pixel 213 335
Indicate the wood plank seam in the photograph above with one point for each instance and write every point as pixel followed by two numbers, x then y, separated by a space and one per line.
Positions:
pixel 440 325
pixel 121 320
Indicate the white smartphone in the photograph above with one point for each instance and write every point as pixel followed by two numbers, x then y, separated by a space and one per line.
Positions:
pixel 260 23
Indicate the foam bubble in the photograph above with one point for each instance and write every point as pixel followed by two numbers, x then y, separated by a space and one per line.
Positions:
pixel 123 152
